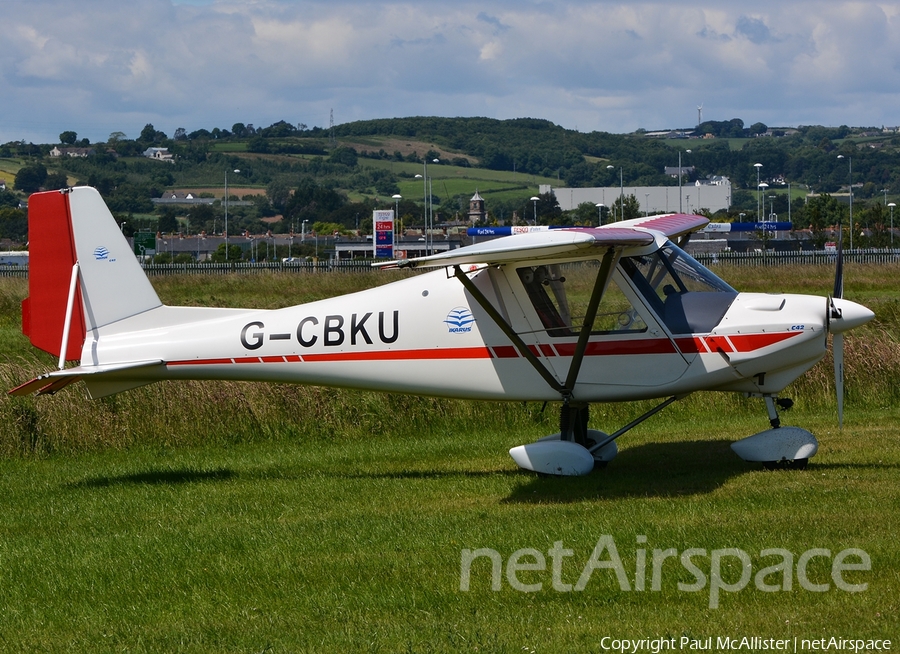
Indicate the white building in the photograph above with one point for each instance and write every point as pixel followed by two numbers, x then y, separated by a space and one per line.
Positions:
pixel 713 195
pixel 160 154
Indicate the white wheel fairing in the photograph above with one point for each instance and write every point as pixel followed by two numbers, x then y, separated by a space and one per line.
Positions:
pixel 779 444
pixel 554 457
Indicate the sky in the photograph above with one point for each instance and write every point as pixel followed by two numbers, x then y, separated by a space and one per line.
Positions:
pixel 102 66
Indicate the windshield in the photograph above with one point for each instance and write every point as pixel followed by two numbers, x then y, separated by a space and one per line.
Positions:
pixel 685 295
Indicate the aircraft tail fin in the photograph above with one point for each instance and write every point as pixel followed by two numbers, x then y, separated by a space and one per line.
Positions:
pixel 69 227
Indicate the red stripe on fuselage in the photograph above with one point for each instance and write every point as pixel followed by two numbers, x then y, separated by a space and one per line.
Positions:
pixel 200 362
pixel 750 342
pixel 480 352
pixel 605 348
pixel 687 345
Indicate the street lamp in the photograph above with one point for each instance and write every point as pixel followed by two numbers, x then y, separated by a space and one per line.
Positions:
pixel 850 169
pixel 757 166
pixel 427 198
pixel 760 192
pixel 226 213
pixel 535 199
pixel 600 206
pixel 396 198
pixel 621 193
pixel 680 175
pixel 892 205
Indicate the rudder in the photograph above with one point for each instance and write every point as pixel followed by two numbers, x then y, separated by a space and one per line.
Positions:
pixel 51 257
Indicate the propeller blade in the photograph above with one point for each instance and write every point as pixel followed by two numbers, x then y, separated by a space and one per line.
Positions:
pixel 837 346
pixel 839 268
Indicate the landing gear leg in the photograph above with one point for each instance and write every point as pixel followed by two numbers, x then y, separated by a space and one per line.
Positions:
pixel 774 403
pixel 573 422
pixel 774 420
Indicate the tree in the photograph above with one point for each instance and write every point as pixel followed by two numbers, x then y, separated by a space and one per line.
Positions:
pixel 311 201
pixel 632 208
pixel 115 137
pixel 55 181
pixel 30 178
pixel 200 215
pixel 234 253
pixel 13 223
pixel 278 192
pixel 548 211
pixel 585 213
pixel 344 155
pixel 8 199
pixel 68 137
pixel 148 134
pixel 168 223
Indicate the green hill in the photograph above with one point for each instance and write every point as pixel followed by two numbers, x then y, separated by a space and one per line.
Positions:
pixel 337 177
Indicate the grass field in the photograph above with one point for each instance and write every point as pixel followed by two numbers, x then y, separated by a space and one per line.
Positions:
pixel 8 169
pixel 191 517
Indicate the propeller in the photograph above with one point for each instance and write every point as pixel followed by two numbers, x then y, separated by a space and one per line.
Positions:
pixel 840 316
pixel 837 342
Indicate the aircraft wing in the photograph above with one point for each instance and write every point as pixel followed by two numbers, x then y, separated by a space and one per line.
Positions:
pixel 672 225
pixel 533 245
pixel 566 241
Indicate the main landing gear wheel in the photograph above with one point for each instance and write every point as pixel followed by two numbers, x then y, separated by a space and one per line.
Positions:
pixel 796 464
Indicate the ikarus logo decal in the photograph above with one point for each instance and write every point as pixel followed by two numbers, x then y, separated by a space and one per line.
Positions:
pixel 459 320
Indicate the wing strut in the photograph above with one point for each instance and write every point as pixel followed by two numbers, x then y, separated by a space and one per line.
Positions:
pixel 610 259
pixel 604 274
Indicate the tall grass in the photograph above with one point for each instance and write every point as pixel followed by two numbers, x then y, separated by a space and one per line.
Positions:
pixel 175 414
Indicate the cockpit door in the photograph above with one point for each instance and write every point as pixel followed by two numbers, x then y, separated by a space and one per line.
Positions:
pixel 627 345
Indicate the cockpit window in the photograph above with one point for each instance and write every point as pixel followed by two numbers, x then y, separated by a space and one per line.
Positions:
pixel 560 294
pixel 687 296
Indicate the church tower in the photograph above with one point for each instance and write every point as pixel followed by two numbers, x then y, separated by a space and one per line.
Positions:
pixel 476 208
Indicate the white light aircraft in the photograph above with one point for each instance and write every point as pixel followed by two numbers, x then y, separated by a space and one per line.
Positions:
pixel 575 316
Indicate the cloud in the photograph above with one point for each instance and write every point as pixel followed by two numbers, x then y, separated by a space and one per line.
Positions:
pixel 106 66
pixel 754 29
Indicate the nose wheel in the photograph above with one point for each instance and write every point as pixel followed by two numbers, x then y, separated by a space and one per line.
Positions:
pixel 778 447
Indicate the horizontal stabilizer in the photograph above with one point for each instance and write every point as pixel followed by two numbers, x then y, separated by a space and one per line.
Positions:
pixel 51 382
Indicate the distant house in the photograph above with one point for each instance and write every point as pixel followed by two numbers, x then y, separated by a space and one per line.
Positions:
pixel 178 197
pixel 79 153
pixel 2 184
pixel 672 171
pixel 160 154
